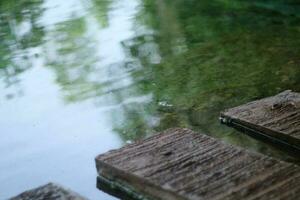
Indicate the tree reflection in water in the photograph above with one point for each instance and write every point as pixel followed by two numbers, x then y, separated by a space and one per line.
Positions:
pixel 20 34
pixel 184 62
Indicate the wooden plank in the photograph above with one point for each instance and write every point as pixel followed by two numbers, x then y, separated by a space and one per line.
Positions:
pixel 49 191
pixel 179 164
pixel 118 190
pixel 276 119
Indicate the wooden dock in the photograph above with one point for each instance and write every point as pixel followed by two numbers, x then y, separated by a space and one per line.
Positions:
pixel 274 119
pixel 49 191
pixel 179 164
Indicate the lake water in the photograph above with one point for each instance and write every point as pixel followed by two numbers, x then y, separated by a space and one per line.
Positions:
pixel 81 77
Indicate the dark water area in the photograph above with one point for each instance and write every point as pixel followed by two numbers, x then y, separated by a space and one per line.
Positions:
pixel 81 77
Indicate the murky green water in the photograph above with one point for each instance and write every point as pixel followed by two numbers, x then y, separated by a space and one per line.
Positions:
pixel 80 77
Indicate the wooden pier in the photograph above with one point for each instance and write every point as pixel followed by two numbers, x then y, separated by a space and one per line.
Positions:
pixel 49 191
pixel 274 119
pixel 179 164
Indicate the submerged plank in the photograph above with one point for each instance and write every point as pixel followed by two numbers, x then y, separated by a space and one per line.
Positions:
pixel 179 164
pixel 50 191
pixel 276 119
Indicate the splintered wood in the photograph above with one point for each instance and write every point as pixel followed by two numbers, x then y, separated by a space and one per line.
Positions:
pixel 275 118
pixel 179 164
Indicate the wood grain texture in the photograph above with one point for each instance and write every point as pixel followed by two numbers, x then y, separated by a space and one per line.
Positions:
pixel 181 164
pixel 49 191
pixel 277 116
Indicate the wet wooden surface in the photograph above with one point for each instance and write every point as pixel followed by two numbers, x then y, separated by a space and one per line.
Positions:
pixel 181 164
pixel 276 117
pixel 50 191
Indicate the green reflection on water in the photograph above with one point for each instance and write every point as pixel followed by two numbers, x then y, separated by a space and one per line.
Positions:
pixel 19 31
pixel 100 10
pixel 74 60
pixel 194 58
pixel 213 55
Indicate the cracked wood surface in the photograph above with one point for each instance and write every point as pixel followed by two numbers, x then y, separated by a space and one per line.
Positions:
pixel 277 116
pixel 49 191
pixel 181 164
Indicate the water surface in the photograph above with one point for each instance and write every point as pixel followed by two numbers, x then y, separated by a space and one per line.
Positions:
pixel 80 77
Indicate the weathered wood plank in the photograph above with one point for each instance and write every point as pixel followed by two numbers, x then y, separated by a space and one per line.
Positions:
pixel 48 192
pixel 276 119
pixel 179 164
